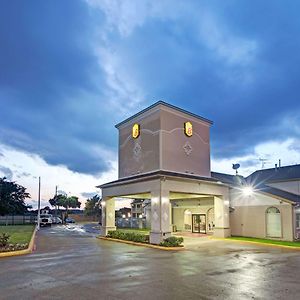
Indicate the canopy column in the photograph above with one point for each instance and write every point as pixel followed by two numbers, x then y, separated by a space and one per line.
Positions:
pixel 161 214
pixel 108 215
pixel 221 207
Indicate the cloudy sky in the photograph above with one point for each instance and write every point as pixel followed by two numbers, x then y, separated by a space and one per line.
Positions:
pixel 71 69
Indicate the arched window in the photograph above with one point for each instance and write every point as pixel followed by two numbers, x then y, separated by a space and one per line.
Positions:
pixel 210 219
pixel 273 225
pixel 187 220
pixel 273 210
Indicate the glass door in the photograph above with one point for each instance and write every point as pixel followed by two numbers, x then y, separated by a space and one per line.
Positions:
pixel 199 223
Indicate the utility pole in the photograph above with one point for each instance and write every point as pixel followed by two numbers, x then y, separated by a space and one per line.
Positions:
pixel 55 201
pixel 39 205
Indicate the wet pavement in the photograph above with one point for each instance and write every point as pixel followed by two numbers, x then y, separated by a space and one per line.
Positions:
pixel 70 263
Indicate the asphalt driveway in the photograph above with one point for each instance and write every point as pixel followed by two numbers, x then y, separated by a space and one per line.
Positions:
pixel 70 263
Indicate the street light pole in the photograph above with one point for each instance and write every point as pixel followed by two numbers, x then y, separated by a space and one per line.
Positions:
pixel 55 202
pixel 39 206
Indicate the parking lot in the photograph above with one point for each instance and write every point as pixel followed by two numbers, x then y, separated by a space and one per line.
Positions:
pixel 70 263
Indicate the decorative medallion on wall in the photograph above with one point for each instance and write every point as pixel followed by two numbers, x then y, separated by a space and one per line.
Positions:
pixel 166 216
pixel 155 216
pixel 187 148
pixel 135 131
pixel 188 129
pixel 137 151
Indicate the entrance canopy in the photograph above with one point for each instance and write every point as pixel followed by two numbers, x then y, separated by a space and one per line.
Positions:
pixel 165 189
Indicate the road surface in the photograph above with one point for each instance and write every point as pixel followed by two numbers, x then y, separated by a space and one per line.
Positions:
pixel 70 263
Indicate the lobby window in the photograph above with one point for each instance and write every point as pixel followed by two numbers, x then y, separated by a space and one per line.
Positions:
pixel 298 220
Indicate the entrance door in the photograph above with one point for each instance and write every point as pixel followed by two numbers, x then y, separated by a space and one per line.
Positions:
pixel 199 223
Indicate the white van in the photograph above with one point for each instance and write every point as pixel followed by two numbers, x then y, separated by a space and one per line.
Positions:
pixel 45 220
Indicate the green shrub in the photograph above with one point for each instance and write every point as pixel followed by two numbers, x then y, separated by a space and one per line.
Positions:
pixel 116 234
pixel 172 241
pixel 128 236
pixel 4 237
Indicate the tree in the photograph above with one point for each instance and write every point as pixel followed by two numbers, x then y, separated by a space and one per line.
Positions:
pixel 93 206
pixel 57 200
pixel 12 198
pixel 66 202
pixel 71 202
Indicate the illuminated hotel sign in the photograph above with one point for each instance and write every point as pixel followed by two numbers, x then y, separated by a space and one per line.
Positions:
pixel 188 129
pixel 135 131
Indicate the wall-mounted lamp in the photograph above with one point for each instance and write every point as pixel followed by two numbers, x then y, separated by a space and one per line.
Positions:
pixel 247 190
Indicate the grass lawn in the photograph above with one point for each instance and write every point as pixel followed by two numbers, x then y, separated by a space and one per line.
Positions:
pixel 265 241
pixel 136 230
pixel 19 234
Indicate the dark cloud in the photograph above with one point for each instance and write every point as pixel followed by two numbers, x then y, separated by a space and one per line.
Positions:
pixel 23 174
pixel 48 84
pixel 8 173
pixel 248 99
pixel 88 194
pixel 295 146
pixel 240 70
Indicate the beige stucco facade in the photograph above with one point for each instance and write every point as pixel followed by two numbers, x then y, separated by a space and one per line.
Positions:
pixel 162 144
pixel 162 163
pixel 249 215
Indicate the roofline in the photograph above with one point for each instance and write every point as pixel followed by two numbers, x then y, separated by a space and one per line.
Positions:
pixel 269 169
pixel 156 175
pixel 167 105
pixel 283 180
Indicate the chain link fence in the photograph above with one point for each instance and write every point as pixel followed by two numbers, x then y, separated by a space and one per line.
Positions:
pixel 17 220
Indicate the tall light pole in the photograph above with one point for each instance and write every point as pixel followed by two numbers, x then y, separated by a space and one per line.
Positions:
pixel 55 202
pixel 39 206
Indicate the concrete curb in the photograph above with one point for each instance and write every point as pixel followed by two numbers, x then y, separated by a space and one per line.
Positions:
pixel 256 243
pixel 24 251
pixel 142 244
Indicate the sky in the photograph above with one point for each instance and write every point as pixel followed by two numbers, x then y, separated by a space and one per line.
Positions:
pixel 70 70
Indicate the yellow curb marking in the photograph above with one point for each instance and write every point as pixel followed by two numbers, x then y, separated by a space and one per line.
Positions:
pixel 21 252
pixel 142 244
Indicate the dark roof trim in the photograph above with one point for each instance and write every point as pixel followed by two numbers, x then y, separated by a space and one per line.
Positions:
pixel 167 105
pixel 154 175
pixel 279 174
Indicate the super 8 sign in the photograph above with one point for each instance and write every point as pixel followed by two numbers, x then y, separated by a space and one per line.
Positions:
pixel 135 131
pixel 188 129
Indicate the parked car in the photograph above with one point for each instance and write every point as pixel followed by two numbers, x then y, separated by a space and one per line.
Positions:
pixel 56 220
pixel 45 220
pixel 70 220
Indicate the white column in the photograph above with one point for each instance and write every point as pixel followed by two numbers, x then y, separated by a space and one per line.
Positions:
pixel 108 215
pixel 171 216
pixel 160 210
pixel 222 226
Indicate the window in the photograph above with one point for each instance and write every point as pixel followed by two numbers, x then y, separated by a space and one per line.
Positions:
pixel 273 210
pixel 210 219
pixel 298 220
pixel 273 223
